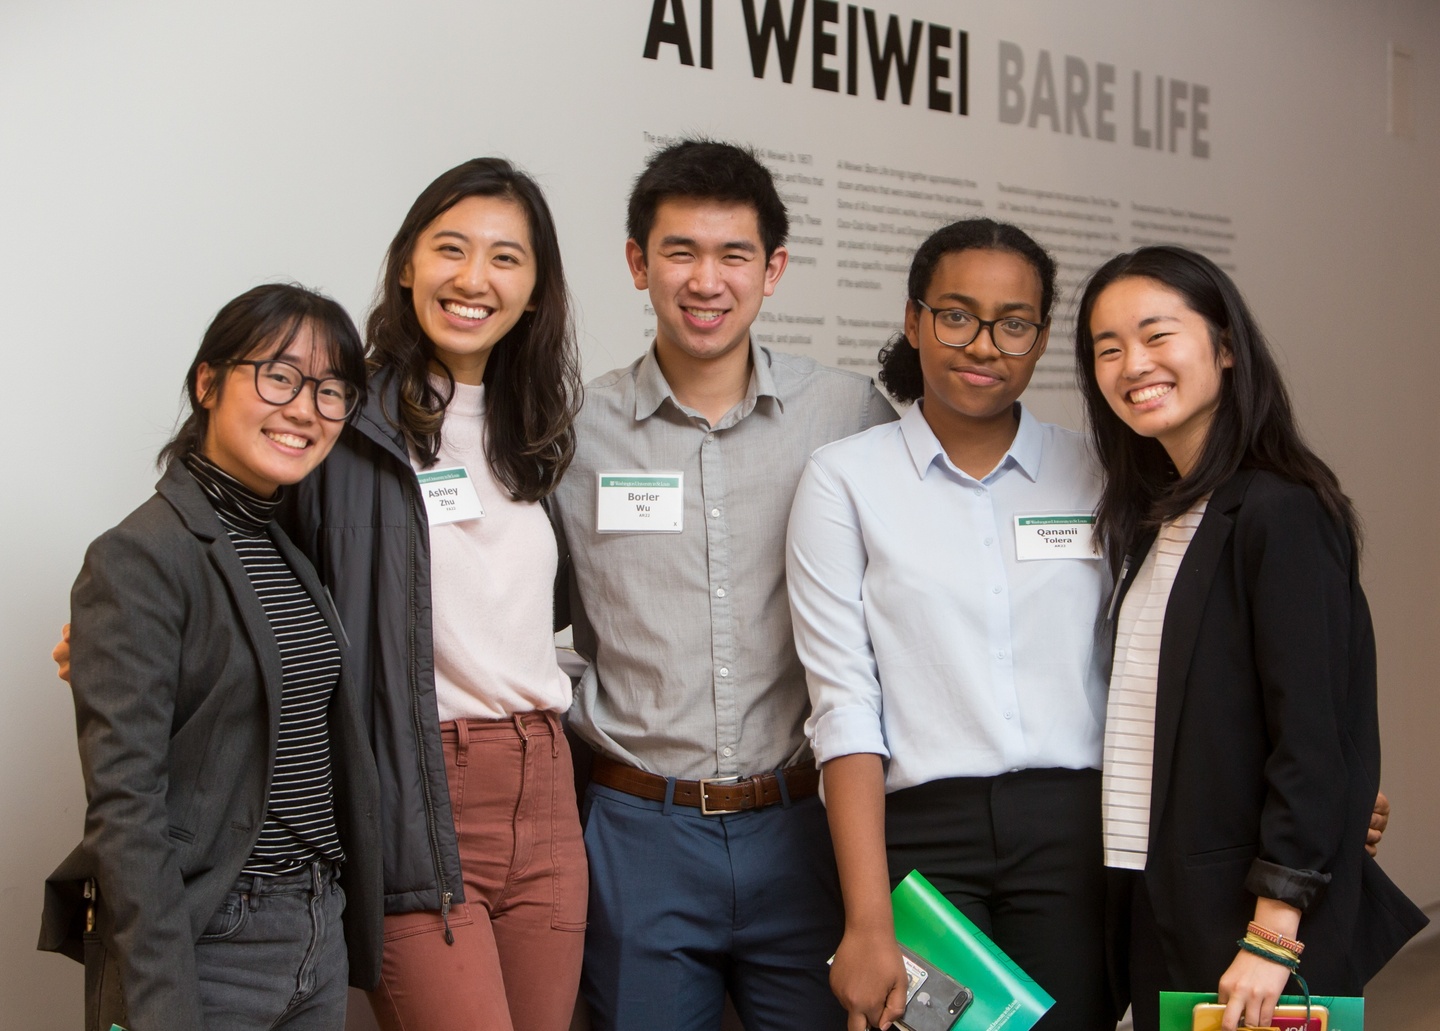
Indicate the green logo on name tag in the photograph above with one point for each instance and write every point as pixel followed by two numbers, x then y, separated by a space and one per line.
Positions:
pixel 671 482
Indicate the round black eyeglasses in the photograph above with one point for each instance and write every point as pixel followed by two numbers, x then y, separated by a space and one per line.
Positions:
pixel 956 327
pixel 279 383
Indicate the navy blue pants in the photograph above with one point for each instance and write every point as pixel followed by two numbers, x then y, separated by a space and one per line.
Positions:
pixel 685 907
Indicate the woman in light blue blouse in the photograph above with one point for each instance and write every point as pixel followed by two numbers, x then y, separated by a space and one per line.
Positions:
pixel 944 592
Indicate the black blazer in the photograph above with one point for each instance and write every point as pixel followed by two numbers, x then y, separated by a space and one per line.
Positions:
pixel 177 683
pixel 1267 743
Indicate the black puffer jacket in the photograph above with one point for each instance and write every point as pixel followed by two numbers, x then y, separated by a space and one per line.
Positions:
pixel 361 521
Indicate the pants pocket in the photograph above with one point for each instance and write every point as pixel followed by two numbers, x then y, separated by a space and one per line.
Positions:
pixel 104 1002
pixel 570 873
pixel 228 920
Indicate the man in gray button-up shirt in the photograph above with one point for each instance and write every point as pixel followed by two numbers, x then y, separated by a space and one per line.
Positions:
pixel 693 668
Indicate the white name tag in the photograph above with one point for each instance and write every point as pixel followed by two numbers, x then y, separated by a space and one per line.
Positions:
pixel 1059 535
pixel 640 502
pixel 449 495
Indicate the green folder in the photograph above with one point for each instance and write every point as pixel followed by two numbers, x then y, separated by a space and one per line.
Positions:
pixel 1347 1012
pixel 1005 996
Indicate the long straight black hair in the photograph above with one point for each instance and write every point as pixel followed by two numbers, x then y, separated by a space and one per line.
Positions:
pixel 1253 426
pixel 532 378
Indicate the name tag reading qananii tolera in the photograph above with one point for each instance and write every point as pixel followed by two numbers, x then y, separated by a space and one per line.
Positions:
pixel 449 495
pixel 1055 535
pixel 640 502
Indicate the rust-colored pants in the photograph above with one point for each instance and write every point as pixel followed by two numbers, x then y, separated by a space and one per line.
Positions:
pixel 519 935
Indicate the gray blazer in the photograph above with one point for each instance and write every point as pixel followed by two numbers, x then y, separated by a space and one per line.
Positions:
pixel 177 684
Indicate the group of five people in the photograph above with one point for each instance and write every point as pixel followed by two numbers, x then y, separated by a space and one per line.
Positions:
pixel 295 675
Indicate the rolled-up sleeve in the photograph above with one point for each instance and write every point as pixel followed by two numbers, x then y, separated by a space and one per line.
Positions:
pixel 825 570
pixel 1300 561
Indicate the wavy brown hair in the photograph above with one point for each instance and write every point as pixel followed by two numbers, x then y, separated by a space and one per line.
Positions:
pixel 532 378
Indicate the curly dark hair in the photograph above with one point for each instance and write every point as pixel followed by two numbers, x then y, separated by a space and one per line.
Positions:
pixel 899 362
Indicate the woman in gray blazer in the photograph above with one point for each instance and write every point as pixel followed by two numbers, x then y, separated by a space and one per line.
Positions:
pixel 230 787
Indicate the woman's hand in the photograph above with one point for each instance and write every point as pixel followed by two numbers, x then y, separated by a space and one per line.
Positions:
pixel 1253 984
pixel 868 977
pixel 1250 989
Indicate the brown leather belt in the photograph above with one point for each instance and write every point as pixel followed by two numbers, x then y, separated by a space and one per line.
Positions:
pixel 711 795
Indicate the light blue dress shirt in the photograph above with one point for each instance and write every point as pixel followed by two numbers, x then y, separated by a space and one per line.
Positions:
pixel 924 639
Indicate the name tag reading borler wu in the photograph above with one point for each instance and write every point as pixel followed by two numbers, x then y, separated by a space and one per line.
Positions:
pixel 1058 535
pixel 640 502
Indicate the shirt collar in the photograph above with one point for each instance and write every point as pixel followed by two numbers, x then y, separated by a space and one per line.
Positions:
pixel 925 450
pixel 652 389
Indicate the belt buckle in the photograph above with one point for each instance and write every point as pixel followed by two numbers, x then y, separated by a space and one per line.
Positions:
pixel 705 809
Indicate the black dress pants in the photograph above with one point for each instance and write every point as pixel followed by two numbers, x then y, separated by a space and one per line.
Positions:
pixel 1020 855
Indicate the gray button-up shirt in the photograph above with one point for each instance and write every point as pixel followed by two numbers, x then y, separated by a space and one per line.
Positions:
pixel 693 671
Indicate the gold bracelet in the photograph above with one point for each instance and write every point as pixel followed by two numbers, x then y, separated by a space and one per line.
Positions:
pixel 1275 938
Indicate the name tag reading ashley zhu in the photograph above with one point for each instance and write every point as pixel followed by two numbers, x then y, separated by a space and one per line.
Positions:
pixel 640 502
pixel 1059 535
pixel 449 495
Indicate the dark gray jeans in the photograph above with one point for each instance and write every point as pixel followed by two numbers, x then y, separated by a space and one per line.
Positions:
pixel 271 958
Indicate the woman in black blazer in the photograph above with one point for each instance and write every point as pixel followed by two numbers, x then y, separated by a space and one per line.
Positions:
pixel 1242 748
pixel 229 782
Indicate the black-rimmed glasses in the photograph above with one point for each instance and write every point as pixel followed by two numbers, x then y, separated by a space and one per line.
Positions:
pixel 279 383
pixel 956 327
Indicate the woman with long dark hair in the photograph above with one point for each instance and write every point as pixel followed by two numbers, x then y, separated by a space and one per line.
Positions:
pixel 1242 749
pixel 230 788
pixel 427 526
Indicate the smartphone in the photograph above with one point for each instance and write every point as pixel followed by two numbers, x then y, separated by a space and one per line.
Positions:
pixel 1207 1017
pixel 934 1000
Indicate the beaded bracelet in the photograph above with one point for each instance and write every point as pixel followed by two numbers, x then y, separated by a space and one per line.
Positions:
pixel 1275 938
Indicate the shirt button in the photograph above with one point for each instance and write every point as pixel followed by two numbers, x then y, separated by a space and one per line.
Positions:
pixel 719 592
pixel 715 512
pixel 989 541
pixel 724 671
pixel 994 590
pixel 727 751
pixel 979 492
pixel 709 438
pixel 999 655
pixel 1007 715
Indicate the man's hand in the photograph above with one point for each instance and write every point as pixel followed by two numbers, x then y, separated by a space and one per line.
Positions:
pixel 1379 819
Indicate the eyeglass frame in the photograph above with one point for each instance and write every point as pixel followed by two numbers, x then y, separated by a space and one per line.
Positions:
pixel 982 325
pixel 256 363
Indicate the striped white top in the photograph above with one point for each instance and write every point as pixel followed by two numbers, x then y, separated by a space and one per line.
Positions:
pixel 1129 753
pixel 299 824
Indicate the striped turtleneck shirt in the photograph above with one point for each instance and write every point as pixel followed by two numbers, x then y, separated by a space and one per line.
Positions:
pixel 299 824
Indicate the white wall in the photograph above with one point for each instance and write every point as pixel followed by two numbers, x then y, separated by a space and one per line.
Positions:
pixel 158 157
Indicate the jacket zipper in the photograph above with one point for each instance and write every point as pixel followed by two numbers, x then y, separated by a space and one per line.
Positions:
pixel 445 893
